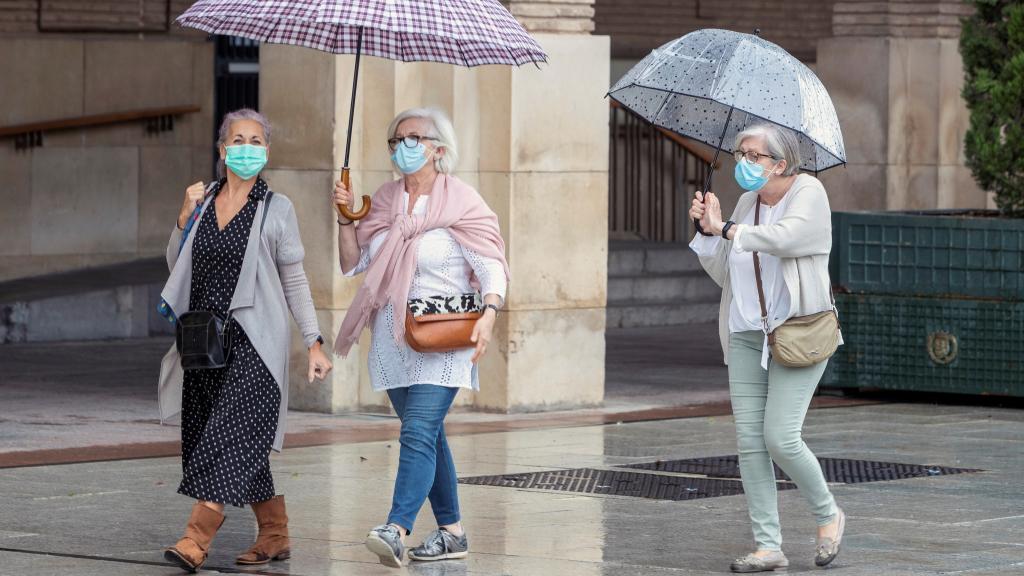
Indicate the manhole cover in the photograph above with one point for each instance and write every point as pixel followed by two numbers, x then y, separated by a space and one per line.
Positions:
pixel 617 483
pixel 843 470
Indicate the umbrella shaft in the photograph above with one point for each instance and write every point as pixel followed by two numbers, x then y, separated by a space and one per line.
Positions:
pixel 352 104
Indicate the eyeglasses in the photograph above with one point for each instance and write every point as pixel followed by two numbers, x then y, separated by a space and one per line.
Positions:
pixel 751 156
pixel 410 141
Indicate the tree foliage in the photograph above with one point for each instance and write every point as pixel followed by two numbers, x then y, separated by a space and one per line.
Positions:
pixel 992 46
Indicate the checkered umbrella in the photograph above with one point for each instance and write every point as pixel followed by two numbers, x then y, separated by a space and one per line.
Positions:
pixel 461 32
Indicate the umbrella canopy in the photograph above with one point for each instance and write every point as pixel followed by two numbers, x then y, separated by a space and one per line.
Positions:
pixel 711 84
pixel 461 32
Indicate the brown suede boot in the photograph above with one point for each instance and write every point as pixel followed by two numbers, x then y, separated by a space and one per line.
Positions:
pixel 190 552
pixel 272 541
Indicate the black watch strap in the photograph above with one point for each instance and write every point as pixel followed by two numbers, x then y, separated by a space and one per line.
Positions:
pixel 725 229
pixel 491 306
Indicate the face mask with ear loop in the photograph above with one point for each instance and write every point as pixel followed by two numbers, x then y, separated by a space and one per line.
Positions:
pixel 751 175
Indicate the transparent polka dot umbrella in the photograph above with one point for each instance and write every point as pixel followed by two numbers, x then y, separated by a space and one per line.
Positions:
pixel 711 84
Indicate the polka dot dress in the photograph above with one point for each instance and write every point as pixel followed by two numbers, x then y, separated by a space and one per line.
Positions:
pixel 229 415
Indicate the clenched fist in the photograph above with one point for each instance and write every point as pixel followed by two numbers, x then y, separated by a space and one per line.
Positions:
pixel 193 197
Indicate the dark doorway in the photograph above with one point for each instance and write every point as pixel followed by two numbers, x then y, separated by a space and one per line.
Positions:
pixel 236 77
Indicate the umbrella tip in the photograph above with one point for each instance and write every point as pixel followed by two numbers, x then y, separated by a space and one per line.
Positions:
pixel 757 31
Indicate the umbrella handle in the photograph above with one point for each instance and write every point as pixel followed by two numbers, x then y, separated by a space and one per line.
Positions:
pixel 344 210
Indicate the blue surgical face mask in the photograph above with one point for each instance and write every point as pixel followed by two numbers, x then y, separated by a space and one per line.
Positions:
pixel 409 160
pixel 245 160
pixel 750 176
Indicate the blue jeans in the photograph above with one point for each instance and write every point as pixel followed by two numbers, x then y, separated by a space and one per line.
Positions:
pixel 425 465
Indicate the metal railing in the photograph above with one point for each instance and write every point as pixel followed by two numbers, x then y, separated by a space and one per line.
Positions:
pixel 652 175
pixel 157 120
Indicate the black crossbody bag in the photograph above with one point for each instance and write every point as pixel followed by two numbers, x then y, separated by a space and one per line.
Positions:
pixel 202 337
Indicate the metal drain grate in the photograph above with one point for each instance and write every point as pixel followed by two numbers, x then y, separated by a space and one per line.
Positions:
pixel 617 483
pixel 842 470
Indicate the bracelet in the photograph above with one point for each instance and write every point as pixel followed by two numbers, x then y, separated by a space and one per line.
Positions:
pixel 349 223
pixel 492 307
pixel 725 228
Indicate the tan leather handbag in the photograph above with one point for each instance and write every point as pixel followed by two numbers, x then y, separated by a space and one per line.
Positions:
pixel 441 324
pixel 800 341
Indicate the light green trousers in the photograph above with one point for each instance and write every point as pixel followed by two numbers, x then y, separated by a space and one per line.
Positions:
pixel 769 407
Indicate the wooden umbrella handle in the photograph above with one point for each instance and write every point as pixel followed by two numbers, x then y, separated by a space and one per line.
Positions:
pixel 344 210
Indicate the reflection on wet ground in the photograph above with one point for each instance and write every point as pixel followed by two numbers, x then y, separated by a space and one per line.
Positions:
pixel 114 517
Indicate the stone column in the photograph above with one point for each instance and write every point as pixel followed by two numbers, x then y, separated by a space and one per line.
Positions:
pixel 533 140
pixel 894 71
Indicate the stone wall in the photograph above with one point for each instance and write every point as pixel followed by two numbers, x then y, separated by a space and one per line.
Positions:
pixel 895 74
pixel 100 195
pixel 639 26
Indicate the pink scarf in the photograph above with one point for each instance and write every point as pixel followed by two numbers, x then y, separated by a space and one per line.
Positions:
pixel 453 205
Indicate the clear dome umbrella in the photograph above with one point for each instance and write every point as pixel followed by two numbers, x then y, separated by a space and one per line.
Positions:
pixel 712 84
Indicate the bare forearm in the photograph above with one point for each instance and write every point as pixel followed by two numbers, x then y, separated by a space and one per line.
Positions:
pixel 348 247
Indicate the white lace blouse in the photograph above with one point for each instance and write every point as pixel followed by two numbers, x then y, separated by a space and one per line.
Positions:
pixel 443 268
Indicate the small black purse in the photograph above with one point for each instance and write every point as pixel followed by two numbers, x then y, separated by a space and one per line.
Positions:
pixel 202 337
pixel 203 340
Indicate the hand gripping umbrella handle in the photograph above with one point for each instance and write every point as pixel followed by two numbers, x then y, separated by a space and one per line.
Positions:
pixel 344 210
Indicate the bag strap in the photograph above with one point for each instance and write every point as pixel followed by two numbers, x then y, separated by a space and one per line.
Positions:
pixel 757 272
pixel 760 287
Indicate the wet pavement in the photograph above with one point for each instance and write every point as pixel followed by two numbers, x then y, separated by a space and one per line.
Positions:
pixel 115 517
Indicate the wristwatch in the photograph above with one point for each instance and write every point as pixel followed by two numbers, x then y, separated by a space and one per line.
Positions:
pixel 725 228
pixel 491 306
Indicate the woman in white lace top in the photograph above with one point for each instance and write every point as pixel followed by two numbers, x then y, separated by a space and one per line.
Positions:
pixel 427 235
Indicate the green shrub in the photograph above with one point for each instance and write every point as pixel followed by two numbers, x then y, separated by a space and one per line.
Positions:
pixel 992 46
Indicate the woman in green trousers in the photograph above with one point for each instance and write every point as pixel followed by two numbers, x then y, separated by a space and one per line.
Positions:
pixel 793 237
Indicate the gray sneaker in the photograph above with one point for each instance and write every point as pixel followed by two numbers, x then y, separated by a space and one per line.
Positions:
pixel 441 545
pixel 386 543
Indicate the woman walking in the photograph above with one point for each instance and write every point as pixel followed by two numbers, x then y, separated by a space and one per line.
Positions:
pixel 429 243
pixel 777 243
pixel 242 260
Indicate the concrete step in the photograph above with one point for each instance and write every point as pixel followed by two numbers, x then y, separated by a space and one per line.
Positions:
pixel 637 313
pixel 654 288
pixel 631 258
pixel 101 303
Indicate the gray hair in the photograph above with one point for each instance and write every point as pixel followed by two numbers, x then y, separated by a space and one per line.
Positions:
pixel 225 128
pixel 441 129
pixel 781 144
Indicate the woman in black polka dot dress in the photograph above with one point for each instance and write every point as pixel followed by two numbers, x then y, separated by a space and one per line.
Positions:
pixel 237 252
pixel 229 415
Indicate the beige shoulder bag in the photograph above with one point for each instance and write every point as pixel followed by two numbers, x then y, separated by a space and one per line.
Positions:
pixel 800 341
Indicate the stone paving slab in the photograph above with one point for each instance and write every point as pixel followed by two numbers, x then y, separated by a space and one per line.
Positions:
pixel 115 517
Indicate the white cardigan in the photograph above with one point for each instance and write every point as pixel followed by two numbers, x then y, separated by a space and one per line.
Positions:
pixel 801 239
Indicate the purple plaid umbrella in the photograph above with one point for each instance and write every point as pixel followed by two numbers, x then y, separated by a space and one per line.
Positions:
pixel 461 32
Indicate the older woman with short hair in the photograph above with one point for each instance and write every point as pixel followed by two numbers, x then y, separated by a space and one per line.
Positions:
pixel 785 217
pixel 236 252
pixel 431 241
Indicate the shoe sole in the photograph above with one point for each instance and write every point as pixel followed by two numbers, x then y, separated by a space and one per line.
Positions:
pixel 180 561
pixel 839 541
pixel 383 550
pixel 755 570
pixel 446 556
pixel 282 556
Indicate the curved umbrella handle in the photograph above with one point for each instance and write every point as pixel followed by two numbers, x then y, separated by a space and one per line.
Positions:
pixel 344 210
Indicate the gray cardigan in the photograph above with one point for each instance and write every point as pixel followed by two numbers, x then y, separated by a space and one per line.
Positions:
pixel 272 282
pixel 801 239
